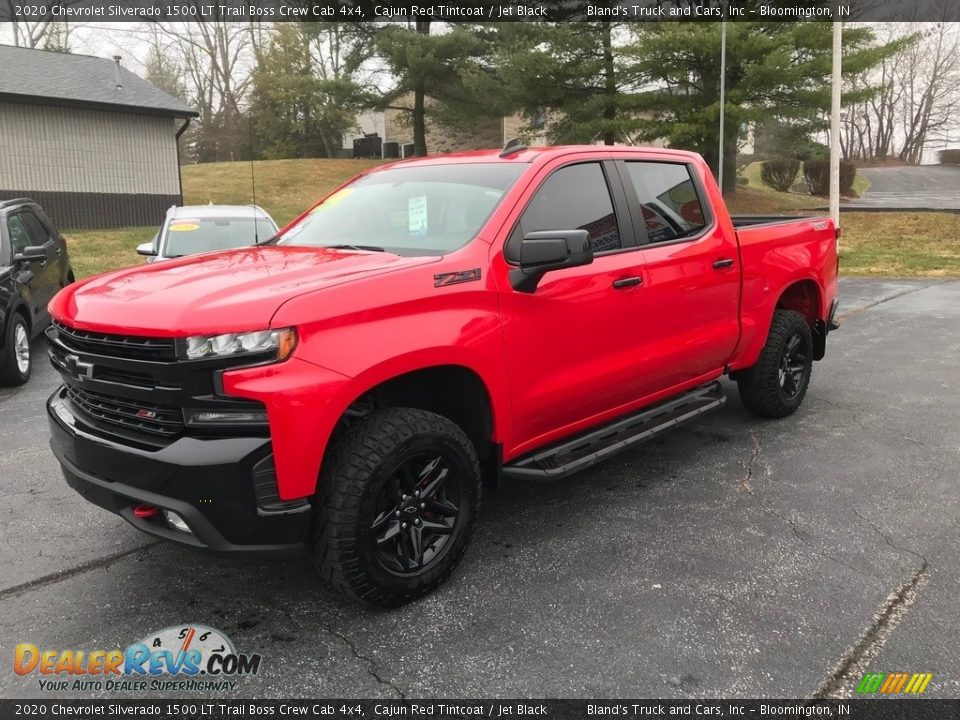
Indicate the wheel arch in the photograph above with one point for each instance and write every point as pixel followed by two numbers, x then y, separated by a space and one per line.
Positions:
pixel 454 391
pixel 19 308
pixel 805 296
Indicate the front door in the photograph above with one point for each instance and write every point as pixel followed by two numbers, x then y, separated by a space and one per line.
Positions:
pixel 48 273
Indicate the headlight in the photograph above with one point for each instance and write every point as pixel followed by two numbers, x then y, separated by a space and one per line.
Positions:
pixel 280 342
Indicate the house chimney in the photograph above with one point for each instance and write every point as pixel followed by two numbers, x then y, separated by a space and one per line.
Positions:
pixel 116 60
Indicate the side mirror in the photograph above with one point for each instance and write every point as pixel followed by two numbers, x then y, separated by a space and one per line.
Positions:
pixel 31 252
pixel 147 249
pixel 546 250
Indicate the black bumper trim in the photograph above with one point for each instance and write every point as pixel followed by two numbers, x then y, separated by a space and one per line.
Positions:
pixel 208 482
pixel 206 537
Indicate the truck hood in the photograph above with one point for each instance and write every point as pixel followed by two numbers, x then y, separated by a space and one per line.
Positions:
pixel 213 293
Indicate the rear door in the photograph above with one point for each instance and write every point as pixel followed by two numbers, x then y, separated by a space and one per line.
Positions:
pixel 571 344
pixel 689 307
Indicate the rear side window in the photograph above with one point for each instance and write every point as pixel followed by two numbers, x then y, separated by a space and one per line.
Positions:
pixel 19 237
pixel 575 198
pixel 672 209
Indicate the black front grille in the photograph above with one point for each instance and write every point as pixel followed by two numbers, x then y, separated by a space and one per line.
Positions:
pixel 120 346
pixel 130 414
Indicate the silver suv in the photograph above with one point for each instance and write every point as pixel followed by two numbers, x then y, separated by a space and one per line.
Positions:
pixel 195 229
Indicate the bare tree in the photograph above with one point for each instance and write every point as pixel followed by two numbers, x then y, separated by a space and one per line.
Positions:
pixel 44 34
pixel 216 59
pixel 930 79
pixel 915 94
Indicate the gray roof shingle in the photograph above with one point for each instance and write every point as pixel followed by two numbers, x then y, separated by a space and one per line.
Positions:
pixel 61 78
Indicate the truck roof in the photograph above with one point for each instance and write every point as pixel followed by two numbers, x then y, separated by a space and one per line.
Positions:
pixel 529 155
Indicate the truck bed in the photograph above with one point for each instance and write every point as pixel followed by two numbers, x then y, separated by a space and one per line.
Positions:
pixel 742 221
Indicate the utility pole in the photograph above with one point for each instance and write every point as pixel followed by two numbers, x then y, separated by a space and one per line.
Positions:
pixel 835 123
pixel 723 92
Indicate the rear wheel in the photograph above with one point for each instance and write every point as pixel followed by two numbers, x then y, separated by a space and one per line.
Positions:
pixel 777 383
pixel 396 506
pixel 16 363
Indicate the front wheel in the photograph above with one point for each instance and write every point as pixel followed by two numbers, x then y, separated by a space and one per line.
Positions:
pixel 15 361
pixel 396 506
pixel 776 384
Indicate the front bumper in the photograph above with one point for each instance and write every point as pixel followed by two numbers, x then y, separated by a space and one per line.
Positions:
pixel 209 482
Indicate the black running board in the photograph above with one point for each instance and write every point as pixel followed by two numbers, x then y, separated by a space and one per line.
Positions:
pixel 570 456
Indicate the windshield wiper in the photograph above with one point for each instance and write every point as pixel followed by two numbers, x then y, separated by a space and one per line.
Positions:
pixel 345 246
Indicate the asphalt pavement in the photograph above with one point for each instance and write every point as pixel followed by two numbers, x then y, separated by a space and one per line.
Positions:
pixel 910 187
pixel 735 557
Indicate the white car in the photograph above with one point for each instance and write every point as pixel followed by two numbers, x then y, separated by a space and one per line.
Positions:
pixel 193 229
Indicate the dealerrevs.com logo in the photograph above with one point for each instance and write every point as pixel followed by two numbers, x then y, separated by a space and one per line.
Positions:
pixel 178 658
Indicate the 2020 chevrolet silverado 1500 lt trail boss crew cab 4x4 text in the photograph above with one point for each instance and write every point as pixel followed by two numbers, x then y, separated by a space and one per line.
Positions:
pixel 345 387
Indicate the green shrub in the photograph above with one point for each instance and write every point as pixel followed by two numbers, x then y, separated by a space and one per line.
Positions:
pixel 816 173
pixel 779 173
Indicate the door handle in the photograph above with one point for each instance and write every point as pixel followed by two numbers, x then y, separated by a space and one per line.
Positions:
pixel 43 263
pixel 59 251
pixel 722 263
pixel 627 282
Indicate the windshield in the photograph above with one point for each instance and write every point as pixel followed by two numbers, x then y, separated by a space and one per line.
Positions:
pixel 421 210
pixel 186 236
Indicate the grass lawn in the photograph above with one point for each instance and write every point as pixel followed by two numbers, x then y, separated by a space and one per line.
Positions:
pixel 95 251
pixel 902 244
pixel 873 244
pixel 285 188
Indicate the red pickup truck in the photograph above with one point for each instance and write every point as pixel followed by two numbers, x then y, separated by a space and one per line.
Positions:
pixel 348 386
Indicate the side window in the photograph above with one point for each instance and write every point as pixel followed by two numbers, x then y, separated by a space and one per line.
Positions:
pixel 38 233
pixel 668 198
pixel 19 237
pixel 575 198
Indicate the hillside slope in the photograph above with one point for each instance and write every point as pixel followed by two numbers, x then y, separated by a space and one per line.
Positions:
pixel 284 188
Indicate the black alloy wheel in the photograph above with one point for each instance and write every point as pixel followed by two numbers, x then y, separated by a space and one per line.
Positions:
pixel 417 511
pixel 793 366
pixel 396 504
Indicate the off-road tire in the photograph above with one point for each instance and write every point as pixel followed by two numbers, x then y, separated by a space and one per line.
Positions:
pixel 357 467
pixel 10 373
pixel 760 386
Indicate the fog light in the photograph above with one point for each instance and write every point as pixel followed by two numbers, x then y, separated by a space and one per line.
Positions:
pixel 176 522
pixel 225 417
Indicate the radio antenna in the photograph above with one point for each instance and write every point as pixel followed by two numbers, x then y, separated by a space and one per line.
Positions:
pixel 253 188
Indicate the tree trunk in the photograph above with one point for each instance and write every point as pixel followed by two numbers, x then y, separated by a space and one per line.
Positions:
pixel 730 161
pixel 419 104
pixel 610 88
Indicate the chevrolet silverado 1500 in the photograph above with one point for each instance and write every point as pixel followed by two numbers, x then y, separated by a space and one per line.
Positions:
pixel 347 388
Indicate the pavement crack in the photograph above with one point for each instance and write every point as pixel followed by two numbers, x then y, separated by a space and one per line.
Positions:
pixel 746 485
pixel 840 682
pixel 745 481
pixel 373 667
pixel 881 301
pixel 886 538
pixel 62 575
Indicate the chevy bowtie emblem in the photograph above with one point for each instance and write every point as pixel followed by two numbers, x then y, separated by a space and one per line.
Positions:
pixel 78 367
pixel 146 414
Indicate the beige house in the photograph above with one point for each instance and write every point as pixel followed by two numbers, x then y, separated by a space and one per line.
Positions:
pixel 393 125
pixel 93 143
